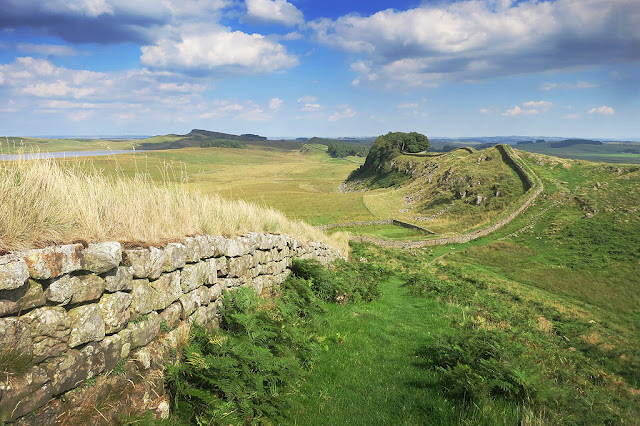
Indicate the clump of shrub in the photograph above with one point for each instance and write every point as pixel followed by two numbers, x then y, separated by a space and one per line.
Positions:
pixel 243 372
pixel 343 282
pixel 473 364
pixel 455 288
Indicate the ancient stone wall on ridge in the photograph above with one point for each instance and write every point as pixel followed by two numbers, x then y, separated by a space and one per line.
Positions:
pixel 71 312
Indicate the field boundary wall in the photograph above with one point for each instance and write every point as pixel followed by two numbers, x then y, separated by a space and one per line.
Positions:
pixel 71 312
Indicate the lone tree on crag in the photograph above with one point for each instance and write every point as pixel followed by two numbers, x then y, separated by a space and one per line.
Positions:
pixel 386 148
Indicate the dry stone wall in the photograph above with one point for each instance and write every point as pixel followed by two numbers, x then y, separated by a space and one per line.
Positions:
pixel 71 312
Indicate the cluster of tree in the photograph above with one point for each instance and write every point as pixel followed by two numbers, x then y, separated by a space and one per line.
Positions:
pixel 386 148
pixel 340 150
pixel 569 142
pixel 222 143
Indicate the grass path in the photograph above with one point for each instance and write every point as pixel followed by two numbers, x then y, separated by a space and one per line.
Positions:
pixel 369 373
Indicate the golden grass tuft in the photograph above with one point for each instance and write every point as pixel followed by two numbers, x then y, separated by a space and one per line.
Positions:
pixel 43 202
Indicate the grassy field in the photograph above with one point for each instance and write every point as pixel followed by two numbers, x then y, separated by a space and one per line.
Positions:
pixel 387 232
pixel 15 145
pixel 52 202
pixel 610 152
pixel 303 184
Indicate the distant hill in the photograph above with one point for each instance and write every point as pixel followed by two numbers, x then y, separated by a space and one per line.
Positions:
pixel 207 138
pixel 570 142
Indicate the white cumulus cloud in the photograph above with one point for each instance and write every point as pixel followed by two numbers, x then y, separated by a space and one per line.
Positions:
pixel 218 48
pixel 480 39
pixel 528 108
pixel 309 107
pixel 603 110
pixel 275 104
pixel 307 99
pixel 344 111
pixel 278 11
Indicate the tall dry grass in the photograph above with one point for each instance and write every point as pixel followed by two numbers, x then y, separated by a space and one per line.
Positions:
pixel 46 202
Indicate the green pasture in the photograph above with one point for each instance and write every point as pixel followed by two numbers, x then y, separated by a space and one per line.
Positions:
pixel 610 152
pixel 300 183
pixel 385 232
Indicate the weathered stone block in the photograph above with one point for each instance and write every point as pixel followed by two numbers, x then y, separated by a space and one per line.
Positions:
pixel 190 302
pixel 155 295
pixel 222 266
pixel 111 347
pixel 51 262
pixel 144 331
pixel 86 288
pixel 145 298
pixel 192 249
pixel 227 283
pixel 24 394
pixel 139 260
pixel 218 245
pixel 157 259
pixel 102 257
pixel 172 315
pixel 193 276
pixel 75 289
pixel 50 329
pixel 169 286
pixel 15 337
pixel 119 279
pixel 95 361
pixel 199 316
pixel 238 266
pixel 87 325
pixel 114 308
pixel 175 257
pixel 13 272
pixel 260 256
pixel 211 266
pixel 126 342
pixel 21 299
pixel 206 249
pixel 237 246
pixel 216 292
pixel 280 241
pixel 60 290
pixel 204 294
pixel 73 367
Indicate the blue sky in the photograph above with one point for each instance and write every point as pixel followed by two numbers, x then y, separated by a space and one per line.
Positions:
pixel 326 68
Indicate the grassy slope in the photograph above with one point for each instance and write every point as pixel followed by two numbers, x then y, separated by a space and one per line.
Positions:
pixel 452 181
pixel 557 280
pixel 369 373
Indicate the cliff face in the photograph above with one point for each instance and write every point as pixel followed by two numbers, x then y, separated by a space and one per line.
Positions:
pixel 69 313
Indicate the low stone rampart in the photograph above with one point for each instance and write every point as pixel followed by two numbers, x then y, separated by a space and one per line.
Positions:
pixel 71 312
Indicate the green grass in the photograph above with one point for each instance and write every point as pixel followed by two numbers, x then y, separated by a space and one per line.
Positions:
pixel 301 184
pixel 609 152
pixel 387 232
pixel 15 145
